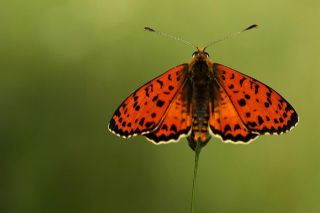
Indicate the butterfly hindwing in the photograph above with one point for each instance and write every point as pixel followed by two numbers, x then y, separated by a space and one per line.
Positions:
pixel 144 109
pixel 224 120
pixel 261 109
pixel 177 121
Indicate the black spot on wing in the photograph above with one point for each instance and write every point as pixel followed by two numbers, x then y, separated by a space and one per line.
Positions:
pixel 170 88
pixel 260 120
pixel 252 124
pixel 256 88
pixel 231 86
pixel 173 128
pixel 147 91
pixel 242 102
pixel 155 98
pixel 149 124
pixel 141 122
pixel 284 115
pixel 160 82
pixel 165 127
pixel 160 103
pixel 236 127
pixel 227 128
pixel 242 80
pixel 137 108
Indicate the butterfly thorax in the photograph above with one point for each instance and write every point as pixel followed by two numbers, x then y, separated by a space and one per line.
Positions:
pixel 201 76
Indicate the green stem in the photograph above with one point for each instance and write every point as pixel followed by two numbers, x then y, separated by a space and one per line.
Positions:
pixel 196 160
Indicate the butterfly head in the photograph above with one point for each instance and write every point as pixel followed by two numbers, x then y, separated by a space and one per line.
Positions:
pixel 200 54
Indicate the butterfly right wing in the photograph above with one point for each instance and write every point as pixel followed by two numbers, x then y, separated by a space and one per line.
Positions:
pixel 262 109
pixel 145 108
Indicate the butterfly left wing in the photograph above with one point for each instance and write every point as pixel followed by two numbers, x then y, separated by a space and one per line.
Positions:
pixel 261 109
pixel 145 108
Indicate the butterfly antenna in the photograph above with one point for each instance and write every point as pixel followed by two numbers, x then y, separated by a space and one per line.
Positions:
pixel 232 35
pixel 148 29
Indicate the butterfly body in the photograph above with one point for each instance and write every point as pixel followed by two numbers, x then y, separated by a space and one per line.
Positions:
pixel 200 83
pixel 201 99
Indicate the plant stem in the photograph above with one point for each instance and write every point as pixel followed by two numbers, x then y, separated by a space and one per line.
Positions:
pixel 196 160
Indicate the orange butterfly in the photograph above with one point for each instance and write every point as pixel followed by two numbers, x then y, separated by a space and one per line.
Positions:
pixel 200 99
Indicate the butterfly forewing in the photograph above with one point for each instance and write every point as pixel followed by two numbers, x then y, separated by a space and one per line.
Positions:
pixel 145 108
pixel 261 109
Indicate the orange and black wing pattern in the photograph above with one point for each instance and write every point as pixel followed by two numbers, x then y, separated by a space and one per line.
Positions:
pixel 177 121
pixel 143 111
pixel 260 109
pixel 224 120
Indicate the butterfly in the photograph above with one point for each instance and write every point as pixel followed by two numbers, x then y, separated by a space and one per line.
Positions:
pixel 201 99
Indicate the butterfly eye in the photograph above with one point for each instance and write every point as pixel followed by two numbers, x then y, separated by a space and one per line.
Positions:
pixel 194 54
pixel 206 54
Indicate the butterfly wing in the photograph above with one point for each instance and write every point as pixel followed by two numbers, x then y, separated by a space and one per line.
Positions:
pixel 225 123
pixel 145 108
pixel 177 121
pixel 261 109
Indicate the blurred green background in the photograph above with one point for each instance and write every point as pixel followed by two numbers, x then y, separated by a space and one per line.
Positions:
pixel 65 66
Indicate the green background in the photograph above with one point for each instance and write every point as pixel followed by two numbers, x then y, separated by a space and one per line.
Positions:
pixel 65 66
